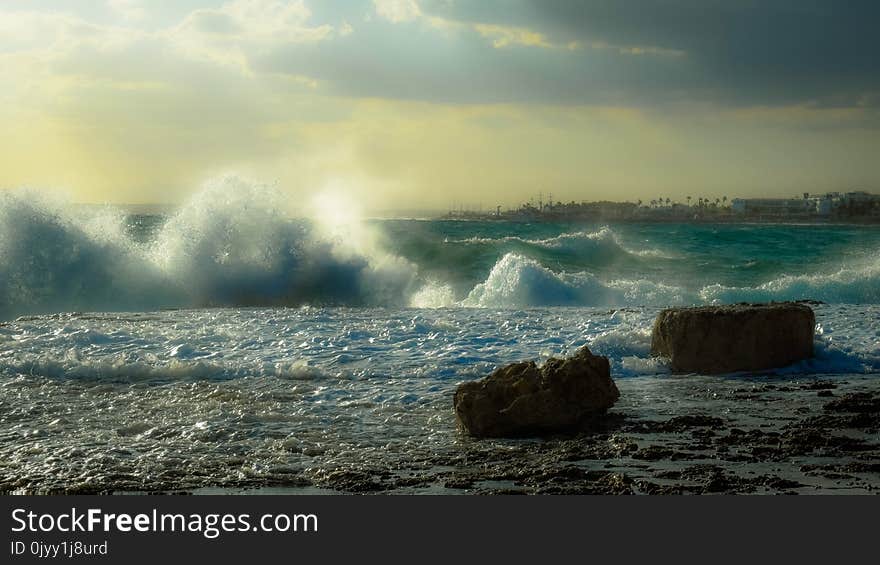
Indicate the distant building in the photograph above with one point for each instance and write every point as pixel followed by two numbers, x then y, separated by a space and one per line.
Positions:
pixel 774 207
pixel 859 204
pixel 831 204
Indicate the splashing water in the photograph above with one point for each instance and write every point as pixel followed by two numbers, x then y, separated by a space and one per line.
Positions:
pixel 230 245
pixel 233 244
pixel 336 369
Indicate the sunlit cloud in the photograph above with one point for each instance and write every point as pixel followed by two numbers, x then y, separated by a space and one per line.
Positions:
pixel 397 11
pixel 418 103
pixel 503 36
pixel 128 10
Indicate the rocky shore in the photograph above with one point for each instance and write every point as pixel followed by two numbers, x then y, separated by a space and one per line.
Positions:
pixel 741 337
pixel 665 435
pixel 676 435
pixel 566 427
pixel 522 399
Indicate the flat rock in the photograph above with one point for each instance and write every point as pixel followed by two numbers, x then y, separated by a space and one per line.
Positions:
pixel 728 339
pixel 523 399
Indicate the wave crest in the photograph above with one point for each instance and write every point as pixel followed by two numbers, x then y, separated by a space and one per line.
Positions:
pixel 846 286
pixel 517 281
pixel 603 245
pixel 230 245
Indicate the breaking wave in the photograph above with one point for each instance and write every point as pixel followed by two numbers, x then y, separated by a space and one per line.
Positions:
pixel 233 245
pixel 230 245
pixel 602 245
pixel 846 286
pixel 518 281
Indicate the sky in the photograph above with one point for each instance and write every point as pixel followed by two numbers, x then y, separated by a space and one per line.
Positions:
pixel 425 104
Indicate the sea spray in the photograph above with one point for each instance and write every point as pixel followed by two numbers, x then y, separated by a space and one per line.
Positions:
pixel 517 281
pixel 234 244
pixel 600 246
pixel 230 245
pixel 848 286
pixel 55 257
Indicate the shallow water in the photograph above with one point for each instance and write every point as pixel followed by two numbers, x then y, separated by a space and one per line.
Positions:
pixel 170 376
pixel 258 397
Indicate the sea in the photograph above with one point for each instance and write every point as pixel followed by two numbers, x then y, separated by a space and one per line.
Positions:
pixel 228 345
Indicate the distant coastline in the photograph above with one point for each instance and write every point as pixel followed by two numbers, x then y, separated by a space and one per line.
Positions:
pixel 857 221
pixel 833 208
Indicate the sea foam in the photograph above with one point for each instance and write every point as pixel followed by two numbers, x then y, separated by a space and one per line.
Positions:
pixel 517 281
pixel 230 245
pixel 234 244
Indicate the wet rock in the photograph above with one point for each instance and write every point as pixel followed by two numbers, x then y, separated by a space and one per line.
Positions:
pixel 778 483
pixel 728 339
pixel 863 402
pixel 654 453
pixel 677 424
pixel 819 385
pixel 522 399
pixel 351 480
pixel 459 483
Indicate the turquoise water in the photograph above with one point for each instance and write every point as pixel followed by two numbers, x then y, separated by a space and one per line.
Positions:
pixel 821 262
pixel 228 345
pixel 234 248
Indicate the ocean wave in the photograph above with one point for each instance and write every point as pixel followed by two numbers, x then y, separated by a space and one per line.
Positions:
pixel 846 286
pixel 229 246
pixel 601 245
pixel 517 281
pixel 126 368
pixel 55 257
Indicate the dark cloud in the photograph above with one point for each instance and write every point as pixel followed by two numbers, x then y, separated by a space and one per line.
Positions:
pixel 418 62
pixel 751 51
pixel 744 52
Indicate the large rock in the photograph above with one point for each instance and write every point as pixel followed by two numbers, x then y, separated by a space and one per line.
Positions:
pixel 523 399
pixel 728 339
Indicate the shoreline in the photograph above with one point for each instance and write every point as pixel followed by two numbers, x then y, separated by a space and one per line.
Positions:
pixel 663 221
pixel 692 434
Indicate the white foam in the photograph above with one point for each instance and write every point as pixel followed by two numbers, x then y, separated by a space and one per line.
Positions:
pixel 231 244
pixel 434 295
pixel 848 285
pixel 603 244
pixel 516 281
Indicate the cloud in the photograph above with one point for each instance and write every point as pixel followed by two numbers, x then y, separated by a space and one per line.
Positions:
pixel 440 99
pixel 266 20
pixel 749 52
pixel 236 30
pixel 128 10
pixel 504 36
pixel 647 53
pixel 397 11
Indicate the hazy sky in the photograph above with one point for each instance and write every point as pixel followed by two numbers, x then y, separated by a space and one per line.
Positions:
pixel 419 103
